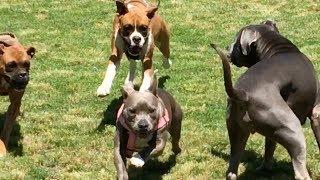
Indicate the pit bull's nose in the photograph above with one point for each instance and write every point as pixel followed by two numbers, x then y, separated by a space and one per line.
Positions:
pixel 143 124
pixel 136 39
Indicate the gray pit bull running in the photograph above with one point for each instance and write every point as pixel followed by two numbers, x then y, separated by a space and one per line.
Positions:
pixel 142 125
pixel 273 97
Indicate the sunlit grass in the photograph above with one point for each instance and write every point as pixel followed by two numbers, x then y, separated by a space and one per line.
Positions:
pixel 57 137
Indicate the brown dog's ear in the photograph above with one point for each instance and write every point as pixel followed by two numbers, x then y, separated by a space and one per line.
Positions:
pixel 127 89
pixel 248 36
pixel 121 8
pixel 1 48
pixel 31 51
pixel 272 25
pixel 151 12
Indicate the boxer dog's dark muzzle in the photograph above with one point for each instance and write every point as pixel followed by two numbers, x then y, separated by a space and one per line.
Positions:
pixel 18 79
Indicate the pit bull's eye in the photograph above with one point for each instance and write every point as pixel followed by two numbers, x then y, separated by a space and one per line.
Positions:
pixel 10 66
pixel 132 111
pixel 152 110
pixel 127 29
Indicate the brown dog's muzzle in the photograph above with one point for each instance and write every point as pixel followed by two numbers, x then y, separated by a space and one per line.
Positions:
pixel 17 79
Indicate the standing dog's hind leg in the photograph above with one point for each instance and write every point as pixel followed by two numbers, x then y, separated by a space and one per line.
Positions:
pixel 237 137
pixel 315 123
pixel 270 147
pixel 164 47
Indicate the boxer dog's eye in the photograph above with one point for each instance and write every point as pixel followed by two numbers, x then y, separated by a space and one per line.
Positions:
pixel 143 30
pixel 10 66
pixel 127 29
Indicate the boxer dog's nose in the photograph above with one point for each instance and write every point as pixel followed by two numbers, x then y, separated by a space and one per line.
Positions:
pixel 136 39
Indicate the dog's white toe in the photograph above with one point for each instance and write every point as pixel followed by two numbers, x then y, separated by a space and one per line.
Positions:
pixel 231 176
pixel 166 63
pixel 137 160
pixel 103 91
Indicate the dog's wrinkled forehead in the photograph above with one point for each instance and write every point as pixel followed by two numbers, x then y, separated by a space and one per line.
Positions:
pixel 16 53
pixel 135 18
pixel 141 101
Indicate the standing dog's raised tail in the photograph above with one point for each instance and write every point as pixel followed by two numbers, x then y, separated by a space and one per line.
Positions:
pixel 233 93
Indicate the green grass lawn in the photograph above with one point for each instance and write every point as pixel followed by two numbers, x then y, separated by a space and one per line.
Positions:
pixel 66 132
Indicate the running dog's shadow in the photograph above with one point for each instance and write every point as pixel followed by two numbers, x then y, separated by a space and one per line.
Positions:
pixel 15 144
pixel 251 160
pixel 110 114
pixel 153 169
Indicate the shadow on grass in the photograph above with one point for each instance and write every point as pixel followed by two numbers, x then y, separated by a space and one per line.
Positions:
pixel 251 160
pixel 110 114
pixel 153 169
pixel 15 144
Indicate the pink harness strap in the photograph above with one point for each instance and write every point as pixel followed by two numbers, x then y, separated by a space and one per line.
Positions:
pixel 164 121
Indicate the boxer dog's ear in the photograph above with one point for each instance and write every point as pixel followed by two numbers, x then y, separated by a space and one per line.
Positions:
pixel 272 25
pixel 127 89
pixel 31 51
pixel 248 37
pixel 151 12
pixel 121 8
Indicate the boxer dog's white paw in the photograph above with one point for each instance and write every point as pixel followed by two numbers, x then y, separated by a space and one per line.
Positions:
pixel 103 91
pixel 166 63
pixel 137 161
pixel 232 176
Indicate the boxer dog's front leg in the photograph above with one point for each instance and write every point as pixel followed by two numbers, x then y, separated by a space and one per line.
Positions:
pixel 11 116
pixel 114 62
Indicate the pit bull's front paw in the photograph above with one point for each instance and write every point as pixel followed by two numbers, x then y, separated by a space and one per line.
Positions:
pixel 231 176
pixel 103 91
pixel 3 150
pixel 166 63
pixel 137 161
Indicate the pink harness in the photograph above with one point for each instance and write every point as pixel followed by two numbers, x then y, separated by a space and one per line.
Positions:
pixel 164 121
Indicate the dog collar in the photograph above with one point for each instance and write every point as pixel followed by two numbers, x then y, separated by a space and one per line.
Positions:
pixel 164 121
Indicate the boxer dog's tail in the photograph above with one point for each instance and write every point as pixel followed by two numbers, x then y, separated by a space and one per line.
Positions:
pixel 233 93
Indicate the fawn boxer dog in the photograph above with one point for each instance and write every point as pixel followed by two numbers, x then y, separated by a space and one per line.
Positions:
pixel 14 77
pixel 273 97
pixel 142 125
pixel 136 30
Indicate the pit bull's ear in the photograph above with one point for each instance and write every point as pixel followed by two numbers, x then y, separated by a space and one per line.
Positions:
pixel 151 12
pixel 272 25
pixel 154 83
pixel 121 8
pixel 127 90
pixel 31 51
pixel 248 37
